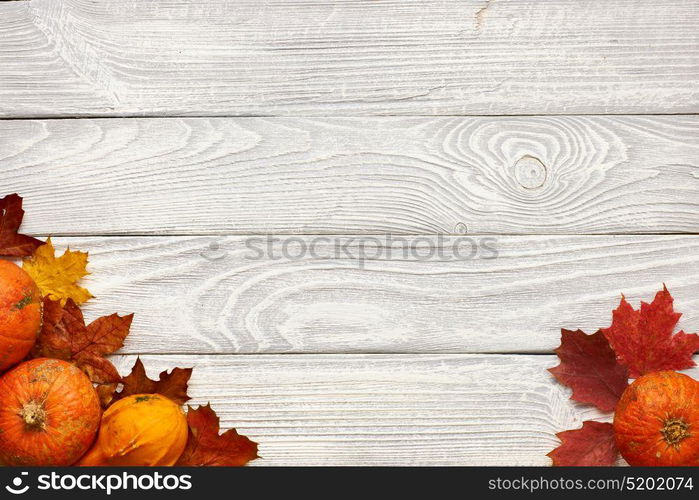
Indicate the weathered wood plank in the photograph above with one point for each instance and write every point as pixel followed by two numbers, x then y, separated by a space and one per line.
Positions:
pixel 232 295
pixel 386 410
pixel 167 57
pixel 373 175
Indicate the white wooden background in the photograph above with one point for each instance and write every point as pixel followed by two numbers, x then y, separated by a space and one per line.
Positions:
pixel 159 134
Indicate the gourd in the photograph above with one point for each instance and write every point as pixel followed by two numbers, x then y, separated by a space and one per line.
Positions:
pixel 20 314
pixel 139 430
pixel 656 422
pixel 49 414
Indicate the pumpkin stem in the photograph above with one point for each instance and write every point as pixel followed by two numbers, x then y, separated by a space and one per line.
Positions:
pixel 34 415
pixel 675 430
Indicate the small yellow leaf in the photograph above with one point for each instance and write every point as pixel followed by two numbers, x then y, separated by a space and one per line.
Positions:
pixel 57 277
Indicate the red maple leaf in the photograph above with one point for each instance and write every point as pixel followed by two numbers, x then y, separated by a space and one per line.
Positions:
pixel 643 339
pixel 591 445
pixel 206 448
pixel 64 336
pixel 13 244
pixel 589 367
pixel 172 385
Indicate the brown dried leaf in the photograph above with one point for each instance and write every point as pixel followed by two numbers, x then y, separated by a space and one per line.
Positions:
pixel 13 244
pixel 206 448
pixel 65 336
pixel 172 385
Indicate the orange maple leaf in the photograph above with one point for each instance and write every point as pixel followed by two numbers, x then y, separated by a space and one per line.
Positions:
pixel 65 336
pixel 643 339
pixel 207 448
pixel 57 278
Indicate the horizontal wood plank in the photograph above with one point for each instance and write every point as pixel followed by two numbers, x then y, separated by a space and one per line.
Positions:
pixel 351 175
pixel 386 410
pixel 353 295
pixel 216 57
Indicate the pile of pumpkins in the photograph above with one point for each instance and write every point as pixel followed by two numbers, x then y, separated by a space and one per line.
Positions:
pixel 50 413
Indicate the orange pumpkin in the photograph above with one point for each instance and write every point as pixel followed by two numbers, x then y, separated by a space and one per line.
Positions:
pixel 49 414
pixel 656 422
pixel 140 430
pixel 20 314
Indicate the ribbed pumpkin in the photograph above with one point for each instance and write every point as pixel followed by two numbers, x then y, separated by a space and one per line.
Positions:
pixel 656 422
pixel 49 414
pixel 140 430
pixel 20 314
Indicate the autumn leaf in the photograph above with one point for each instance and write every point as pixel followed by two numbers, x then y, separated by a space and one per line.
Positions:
pixel 591 445
pixel 105 392
pixel 172 385
pixel 64 336
pixel 206 448
pixel 589 367
pixel 13 244
pixel 643 339
pixel 57 277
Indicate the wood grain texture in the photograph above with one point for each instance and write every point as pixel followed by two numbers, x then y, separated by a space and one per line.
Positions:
pixel 168 57
pixel 386 410
pixel 217 295
pixel 621 174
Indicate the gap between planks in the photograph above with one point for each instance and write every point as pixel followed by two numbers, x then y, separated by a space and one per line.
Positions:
pixel 330 353
pixel 343 234
pixel 319 117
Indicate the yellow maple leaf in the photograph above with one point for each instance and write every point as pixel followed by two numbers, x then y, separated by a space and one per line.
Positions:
pixel 57 277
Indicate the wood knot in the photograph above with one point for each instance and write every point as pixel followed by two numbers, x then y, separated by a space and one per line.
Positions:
pixel 530 172
pixel 460 228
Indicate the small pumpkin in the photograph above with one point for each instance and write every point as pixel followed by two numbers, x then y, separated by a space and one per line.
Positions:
pixel 49 414
pixel 139 430
pixel 656 422
pixel 20 314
